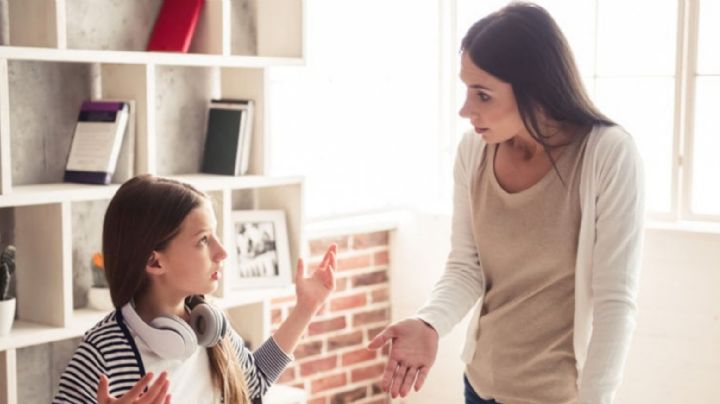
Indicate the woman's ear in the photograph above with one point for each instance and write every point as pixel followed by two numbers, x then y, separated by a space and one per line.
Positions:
pixel 153 264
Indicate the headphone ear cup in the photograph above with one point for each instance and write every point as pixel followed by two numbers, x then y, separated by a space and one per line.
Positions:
pixel 187 341
pixel 208 323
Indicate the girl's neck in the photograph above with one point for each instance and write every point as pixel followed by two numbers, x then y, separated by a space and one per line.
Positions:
pixel 153 304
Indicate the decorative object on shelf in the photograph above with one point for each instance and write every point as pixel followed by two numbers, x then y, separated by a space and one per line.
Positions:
pixel 7 303
pixel 97 142
pixel 99 293
pixel 175 25
pixel 227 141
pixel 261 249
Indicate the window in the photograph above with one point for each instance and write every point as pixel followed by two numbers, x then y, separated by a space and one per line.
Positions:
pixel 632 69
pixel 360 119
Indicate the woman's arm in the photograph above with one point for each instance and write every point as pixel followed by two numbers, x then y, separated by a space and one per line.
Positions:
pixel 615 268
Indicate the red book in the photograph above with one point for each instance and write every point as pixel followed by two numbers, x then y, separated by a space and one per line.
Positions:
pixel 175 25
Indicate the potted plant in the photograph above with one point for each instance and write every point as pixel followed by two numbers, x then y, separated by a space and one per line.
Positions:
pixel 7 303
pixel 99 293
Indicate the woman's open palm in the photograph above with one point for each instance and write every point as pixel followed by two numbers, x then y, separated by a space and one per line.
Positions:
pixel 156 394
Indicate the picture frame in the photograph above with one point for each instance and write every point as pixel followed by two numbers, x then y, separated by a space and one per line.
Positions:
pixel 261 249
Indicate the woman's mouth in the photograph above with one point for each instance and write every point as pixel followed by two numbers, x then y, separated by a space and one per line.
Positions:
pixel 216 275
pixel 481 130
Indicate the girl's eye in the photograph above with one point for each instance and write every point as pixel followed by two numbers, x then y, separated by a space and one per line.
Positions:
pixel 484 97
pixel 204 240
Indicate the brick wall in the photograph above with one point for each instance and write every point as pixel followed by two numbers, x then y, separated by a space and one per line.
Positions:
pixel 332 364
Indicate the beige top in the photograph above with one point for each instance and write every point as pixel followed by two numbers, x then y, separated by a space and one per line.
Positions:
pixel 528 242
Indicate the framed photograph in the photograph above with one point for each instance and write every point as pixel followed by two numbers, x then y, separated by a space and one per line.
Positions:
pixel 261 249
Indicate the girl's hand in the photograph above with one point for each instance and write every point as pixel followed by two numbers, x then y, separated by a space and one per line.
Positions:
pixel 314 290
pixel 156 394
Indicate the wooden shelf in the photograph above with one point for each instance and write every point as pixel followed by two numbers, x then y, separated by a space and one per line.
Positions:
pixel 41 194
pixel 142 58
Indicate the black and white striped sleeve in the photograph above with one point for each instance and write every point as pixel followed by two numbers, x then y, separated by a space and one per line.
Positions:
pixel 262 367
pixel 79 381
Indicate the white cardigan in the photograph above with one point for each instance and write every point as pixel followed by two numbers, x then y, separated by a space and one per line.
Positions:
pixel 607 266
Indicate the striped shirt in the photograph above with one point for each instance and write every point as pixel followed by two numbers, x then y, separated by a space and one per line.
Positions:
pixel 109 348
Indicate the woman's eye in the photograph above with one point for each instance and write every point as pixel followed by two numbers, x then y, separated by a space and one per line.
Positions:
pixel 204 240
pixel 484 97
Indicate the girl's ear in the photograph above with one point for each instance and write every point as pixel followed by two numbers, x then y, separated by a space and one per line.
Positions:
pixel 153 264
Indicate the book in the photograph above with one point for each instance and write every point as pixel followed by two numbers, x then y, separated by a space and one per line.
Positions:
pixel 175 25
pixel 97 142
pixel 227 140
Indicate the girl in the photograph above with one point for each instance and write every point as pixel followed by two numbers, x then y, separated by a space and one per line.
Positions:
pixel 162 255
pixel 546 231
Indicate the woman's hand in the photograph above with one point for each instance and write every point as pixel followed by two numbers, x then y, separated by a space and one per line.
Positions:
pixel 156 394
pixel 412 353
pixel 314 290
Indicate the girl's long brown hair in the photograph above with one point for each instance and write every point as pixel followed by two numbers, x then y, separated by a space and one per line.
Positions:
pixel 144 216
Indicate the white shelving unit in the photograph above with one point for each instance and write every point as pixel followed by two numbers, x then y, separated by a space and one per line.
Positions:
pixel 60 52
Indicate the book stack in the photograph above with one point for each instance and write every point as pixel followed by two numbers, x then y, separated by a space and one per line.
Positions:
pixel 227 141
pixel 103 143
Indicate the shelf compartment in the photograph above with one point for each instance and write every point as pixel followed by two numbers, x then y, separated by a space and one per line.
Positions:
pixel 44 102
pixel 25 28
pixel 87 227
pixel 44 264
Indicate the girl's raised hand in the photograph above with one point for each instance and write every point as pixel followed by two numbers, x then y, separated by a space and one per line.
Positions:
pixel 156 394
pixel 312 291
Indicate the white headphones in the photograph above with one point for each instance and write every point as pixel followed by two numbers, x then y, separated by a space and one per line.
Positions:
pixel 171 337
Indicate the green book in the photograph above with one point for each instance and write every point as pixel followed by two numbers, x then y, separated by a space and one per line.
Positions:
pixel 227 141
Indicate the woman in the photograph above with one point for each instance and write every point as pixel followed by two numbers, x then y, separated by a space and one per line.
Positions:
pixel 162 255
pixel 546 231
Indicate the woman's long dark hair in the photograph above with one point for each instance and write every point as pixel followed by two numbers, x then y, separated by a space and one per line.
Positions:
pixel 144 216
pixel 522 45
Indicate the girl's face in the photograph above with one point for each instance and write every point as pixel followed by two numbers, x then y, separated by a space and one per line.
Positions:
pixel 191 264
pixel 489 104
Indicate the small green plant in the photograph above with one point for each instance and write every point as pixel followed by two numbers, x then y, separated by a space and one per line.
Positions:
pixel 7 269
pixel 98 270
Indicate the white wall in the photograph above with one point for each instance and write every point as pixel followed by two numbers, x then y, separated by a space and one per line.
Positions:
pixel 675 355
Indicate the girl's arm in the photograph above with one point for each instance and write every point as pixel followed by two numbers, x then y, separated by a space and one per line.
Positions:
pixel 311 294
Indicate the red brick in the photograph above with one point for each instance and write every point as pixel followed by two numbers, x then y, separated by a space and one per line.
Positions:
pixel 368 372
pixel 386 350
pixel 381 258
pixel 361 241
pixel 318 365
pixel 360 355
pixel 318 400
pixel 341 284
pixel 320 327
pixel 360 261
pixel 349 396
pixel 308 349
pixel 374 316
pixel 283 299
pixel 372 332
pixel 381 295
pixel 344 340
pixel 348 302
pixel 376 389
pixel 276 316
pixel 328 382
pixel 287 376
pixel 318 247
pixel 371 278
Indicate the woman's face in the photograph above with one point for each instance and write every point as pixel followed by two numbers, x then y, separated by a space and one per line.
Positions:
pixel 489 104
pixel 192 261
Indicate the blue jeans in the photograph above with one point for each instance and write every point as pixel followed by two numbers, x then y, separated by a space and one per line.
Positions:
pixel 471 396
